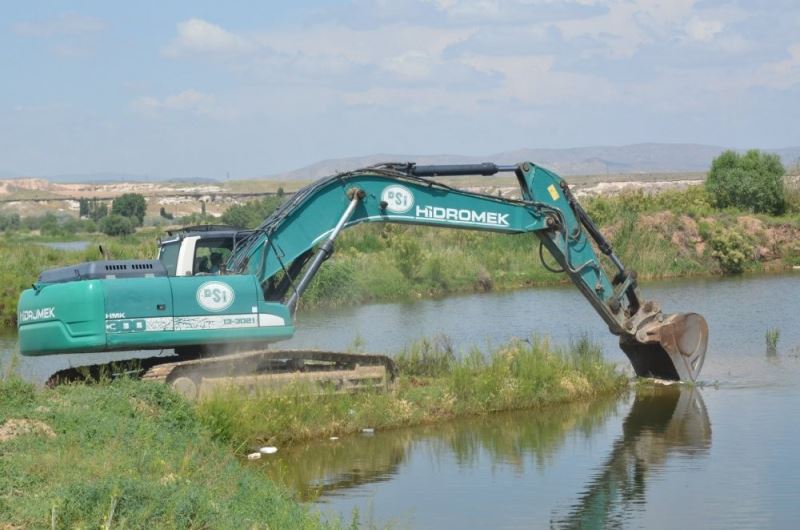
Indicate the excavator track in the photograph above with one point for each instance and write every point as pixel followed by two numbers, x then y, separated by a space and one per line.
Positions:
pixel 250 371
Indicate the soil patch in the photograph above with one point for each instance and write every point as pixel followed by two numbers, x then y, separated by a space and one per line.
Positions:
pixel 20 427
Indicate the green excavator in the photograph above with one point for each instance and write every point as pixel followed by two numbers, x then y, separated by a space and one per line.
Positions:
pixel 217 297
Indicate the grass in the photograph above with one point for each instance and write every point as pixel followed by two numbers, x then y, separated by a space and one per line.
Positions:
pixel 771 336
pixel 125 454
pixel 433 386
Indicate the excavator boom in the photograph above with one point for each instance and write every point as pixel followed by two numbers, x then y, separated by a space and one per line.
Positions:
pixel 169 303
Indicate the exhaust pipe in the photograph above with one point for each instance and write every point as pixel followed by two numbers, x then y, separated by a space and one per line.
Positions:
pixel 668 346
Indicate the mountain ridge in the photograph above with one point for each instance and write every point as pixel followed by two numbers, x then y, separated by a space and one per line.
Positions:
pixel 650 157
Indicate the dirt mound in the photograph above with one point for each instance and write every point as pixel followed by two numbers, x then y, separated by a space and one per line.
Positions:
pixel 20 427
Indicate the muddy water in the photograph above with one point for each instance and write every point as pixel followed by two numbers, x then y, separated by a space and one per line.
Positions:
pixel 721 456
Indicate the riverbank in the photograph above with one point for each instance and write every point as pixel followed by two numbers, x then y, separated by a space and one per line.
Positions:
pixel 136 454
pixel 666 235
pixel 434 386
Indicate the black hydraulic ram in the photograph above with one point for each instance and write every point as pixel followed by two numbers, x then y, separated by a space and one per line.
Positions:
pixel 455 170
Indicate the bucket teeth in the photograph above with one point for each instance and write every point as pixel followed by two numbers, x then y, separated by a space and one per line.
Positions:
pixel 670 347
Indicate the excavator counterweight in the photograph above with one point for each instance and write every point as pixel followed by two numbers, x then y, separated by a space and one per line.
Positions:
pixel 219 290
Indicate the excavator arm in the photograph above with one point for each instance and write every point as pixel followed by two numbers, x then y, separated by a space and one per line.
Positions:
pixel 289 247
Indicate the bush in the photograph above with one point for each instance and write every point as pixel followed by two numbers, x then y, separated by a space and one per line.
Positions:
pixel 251 214
pixel 753 181
pixel 730 249
pixel 408 255
pixel 116 225
pixel 9 222
pixel 130 205
pixel 165 214
pixel 333 284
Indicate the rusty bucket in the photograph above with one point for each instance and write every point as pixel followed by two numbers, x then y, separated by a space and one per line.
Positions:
pixel 672 347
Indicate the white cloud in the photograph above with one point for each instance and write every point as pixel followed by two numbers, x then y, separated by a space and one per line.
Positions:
pixel 469 8
pixel 627 25
pixel 362 46
pixel 196 36
pixel 440 64
pixel 523 82
pixel 703 30
pixel 188 101
pixel 535 80
pixel 413 65
pixel 783 74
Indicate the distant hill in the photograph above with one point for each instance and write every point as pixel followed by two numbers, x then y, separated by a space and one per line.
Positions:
pixel 594 160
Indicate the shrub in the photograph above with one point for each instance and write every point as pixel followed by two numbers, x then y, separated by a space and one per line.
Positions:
pixel 408 255
pixel 130 205
pixel 9 222
pixel 251 214
pixel 730 249
pixel 116 225
pixel 165 214
pixel 753 181
pixel 334 283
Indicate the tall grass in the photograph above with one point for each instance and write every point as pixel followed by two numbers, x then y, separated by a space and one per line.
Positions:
pixel 433 385
pixel 130 453
pixel 771 336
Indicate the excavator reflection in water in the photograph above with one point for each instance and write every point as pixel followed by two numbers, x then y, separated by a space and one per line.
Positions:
pixel 662 423
pixel 328 468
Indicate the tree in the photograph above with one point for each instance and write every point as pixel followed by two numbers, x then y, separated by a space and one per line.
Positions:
pixel 117 225
pixel 83 207
pixel 130 205
pixel 250 214
pixel 49 226
pixel 97 210
pixel 9 222
pixel 165 214
pixel 753 181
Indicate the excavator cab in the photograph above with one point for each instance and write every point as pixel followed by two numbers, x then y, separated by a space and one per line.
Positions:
pixel 200 250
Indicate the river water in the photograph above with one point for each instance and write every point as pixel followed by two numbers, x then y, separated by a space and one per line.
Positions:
pixel 723 455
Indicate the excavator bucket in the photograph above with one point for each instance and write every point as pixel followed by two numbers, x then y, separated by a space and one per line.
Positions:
pixel 673 347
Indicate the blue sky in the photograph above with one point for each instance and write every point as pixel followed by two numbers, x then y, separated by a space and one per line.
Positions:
pixel 202 89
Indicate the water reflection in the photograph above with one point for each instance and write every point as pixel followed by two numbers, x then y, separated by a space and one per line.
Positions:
pixel 514 441
pixel 663 423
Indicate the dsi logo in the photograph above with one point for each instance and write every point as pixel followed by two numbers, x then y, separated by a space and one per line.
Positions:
pixel 398 199
pixel 215 296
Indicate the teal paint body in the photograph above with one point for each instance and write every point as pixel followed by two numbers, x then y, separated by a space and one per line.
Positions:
pixel 145 313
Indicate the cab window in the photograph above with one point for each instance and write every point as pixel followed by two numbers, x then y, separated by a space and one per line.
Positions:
pixel 211 255
pixel 169 256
